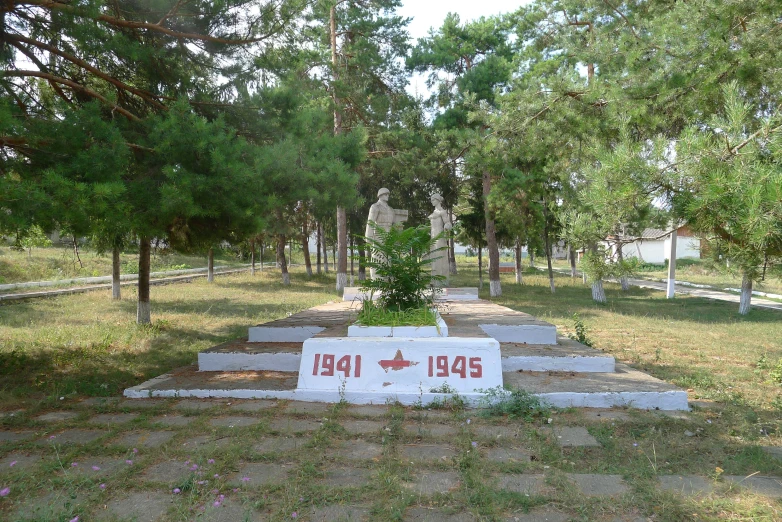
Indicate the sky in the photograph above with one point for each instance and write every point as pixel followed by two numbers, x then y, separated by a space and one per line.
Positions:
pixel 428 14
pixel 431 13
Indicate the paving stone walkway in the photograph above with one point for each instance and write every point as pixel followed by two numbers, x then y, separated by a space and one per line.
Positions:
pixel 259 460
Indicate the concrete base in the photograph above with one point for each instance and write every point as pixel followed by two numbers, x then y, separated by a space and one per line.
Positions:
pixel 635 389
pixel 522 333
pixel 563 373
pixel 267 334
pixel 441 330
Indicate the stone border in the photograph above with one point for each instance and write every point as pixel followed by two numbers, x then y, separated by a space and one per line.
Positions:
pixel 411 332
pixel 541 363
pixel 237 361
pixel 282 334
pixel 521 333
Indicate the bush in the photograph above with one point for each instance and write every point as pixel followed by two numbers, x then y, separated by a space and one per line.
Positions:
pixel 402 268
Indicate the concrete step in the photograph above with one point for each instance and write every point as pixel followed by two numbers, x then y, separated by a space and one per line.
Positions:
pixel 625 387
pixel 566 355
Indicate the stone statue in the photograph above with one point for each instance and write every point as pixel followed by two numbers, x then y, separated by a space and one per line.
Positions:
pixel 383 216
pixel 440 223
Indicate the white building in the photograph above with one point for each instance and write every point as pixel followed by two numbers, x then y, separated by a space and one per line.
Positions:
pixel 653 245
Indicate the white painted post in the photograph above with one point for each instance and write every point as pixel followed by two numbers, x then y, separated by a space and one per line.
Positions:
pixel 672 266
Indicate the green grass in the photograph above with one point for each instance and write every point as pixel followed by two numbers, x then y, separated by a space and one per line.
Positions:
pixel 55 263
pixel 373 315
pixel 87 345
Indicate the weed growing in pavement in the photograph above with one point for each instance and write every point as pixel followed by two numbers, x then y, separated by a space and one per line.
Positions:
pixel 581 331
pixel 513 403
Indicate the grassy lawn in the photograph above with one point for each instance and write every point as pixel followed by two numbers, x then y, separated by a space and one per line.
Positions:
pixel 53 263
pixel 703 273
pixel 86 345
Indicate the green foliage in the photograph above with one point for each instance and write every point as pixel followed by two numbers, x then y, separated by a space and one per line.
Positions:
pixel 34 237
pixel 513 403
pixel 582 332
pixel 776 373
pixel 373 315
pixel 402 262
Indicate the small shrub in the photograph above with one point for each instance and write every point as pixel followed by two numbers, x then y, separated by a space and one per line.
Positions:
pixel 513 404
pixel 402 266
pixel 581 332
pixel 776 373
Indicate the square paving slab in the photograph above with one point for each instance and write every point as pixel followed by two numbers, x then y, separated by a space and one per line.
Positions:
pixel 112 418
pixel 362 427
pixel 145 439
pixel 524 484
pixel 173 420
pixel 686 485
pixel 432 482
pixel 357 450
pixel 507 455
pixel 427 452
pixel 57 416
pixel 347 477
pixel 169 472
pixel 255 474
pixel 425 514
pixel 18 461
pixel 15 436
pixel 280 445
pixel 293 425
pixel 233 421
pixel 143 506
pixel 75 436
pixel 339 513
pixel 593 485
pixel 254 405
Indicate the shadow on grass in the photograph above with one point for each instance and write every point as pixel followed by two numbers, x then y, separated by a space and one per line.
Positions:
pixel 574 297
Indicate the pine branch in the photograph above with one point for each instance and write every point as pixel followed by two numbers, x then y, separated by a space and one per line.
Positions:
pixel 147 96
pixel 131 24
pixel 50 77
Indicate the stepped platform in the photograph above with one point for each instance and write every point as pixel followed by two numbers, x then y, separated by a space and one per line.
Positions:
pixel 561 371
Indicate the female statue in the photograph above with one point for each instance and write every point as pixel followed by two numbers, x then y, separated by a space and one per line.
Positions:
pixel 440 223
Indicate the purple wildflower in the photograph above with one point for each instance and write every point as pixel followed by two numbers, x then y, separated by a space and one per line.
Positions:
pixel 4 492
pixel 11 465
pixel 96 468
pixel 211 461
pixel 102 486
pixel 129 462
pixel 177 491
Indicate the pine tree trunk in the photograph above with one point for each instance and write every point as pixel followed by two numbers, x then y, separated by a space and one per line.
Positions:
pixel 325 256
pixel 746 294
pixel 547 245
pixel 495 289
pixel 452 248
pixel 623 279
pixel 261 249
pixel 531 257
pixel 517 255
pixel 210 266
pixel 286 278
pixel 252 258
pixel 362 269
pixel 143 310
pixel 116 293
pixel 342 249
pixel 75 251
pixel 598 294
pixel 572 255
pixel 305 249
pixel 480 267
pixel 318 234
pixel 352 256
